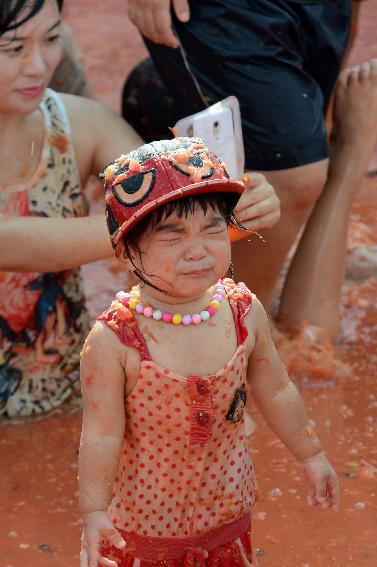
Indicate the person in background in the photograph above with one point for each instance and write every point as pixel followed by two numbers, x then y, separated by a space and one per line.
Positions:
pixel 49 145
pixel 281 59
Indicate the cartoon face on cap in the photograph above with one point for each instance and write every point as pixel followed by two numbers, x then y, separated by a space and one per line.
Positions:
pixel 146 178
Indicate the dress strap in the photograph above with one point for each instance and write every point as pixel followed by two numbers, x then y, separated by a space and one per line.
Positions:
pixel 61 148
pixel 121 321
pixel 240 300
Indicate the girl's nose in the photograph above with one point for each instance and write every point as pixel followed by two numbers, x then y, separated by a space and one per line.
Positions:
pixel 195 249
pixel 34 63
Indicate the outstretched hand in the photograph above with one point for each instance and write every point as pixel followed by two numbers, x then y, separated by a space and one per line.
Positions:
pixel 153 18
pixel 98 527
pixel 323 482
pixel 259 206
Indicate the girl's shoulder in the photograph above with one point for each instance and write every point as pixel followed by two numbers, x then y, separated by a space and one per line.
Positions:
pixel 121 321
pixel 241 300
pixel 238 293
pixel 250 316
pixel 102 362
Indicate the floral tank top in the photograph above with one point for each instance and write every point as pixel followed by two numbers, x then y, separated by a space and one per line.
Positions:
pixel 185 467
pixel 43 318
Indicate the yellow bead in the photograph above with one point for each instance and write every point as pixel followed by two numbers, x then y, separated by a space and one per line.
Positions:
pixel 215 304
pixel 177 319
pixel 132 303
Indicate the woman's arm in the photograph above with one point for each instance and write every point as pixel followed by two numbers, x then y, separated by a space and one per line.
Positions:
pixel 99 135
pixel 31 244
pixel 282 407
pixel 39 244
pixel 102 437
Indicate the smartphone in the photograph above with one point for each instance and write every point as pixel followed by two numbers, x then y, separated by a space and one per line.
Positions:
pixel 220 128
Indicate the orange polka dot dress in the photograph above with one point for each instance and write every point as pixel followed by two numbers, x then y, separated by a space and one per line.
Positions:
pixel 185 470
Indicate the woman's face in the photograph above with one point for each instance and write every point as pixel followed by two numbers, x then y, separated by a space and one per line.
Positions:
pixel 28 57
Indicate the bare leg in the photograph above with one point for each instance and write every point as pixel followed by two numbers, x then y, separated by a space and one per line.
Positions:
pixel 258 263
pixel 313 284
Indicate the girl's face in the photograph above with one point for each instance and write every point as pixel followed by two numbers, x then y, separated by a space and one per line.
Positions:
pixel 28 57
pixel 185 256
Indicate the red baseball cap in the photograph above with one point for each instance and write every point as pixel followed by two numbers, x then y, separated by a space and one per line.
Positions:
pixel 159 172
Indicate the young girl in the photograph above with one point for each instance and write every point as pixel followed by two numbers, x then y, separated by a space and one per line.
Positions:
pixel 165 473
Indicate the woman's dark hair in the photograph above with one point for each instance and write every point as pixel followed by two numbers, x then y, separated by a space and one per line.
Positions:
pixel 11 10
pixel 223 202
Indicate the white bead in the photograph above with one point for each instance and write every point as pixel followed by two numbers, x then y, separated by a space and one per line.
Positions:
pixel 205 315
pixel 221 292
pixel 157 315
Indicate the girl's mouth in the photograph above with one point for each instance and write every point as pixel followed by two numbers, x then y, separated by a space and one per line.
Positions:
pixel 197 273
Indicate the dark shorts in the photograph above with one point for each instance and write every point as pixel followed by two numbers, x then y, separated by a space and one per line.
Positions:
pixel 280 58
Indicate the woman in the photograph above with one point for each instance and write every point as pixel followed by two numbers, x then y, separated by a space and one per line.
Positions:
pixel 49 145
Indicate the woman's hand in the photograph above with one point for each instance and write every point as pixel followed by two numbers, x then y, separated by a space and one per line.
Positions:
pixel 259 206
pixel 323 482
pixel 153 18
pixel 97 528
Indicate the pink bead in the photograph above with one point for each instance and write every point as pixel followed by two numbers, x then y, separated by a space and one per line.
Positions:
pixel 211 310
pixel 187 319
pixel 123 297
pixel 148 311
pixel 139 308
pixel 167 317
pixel 218 297
pixel 196 319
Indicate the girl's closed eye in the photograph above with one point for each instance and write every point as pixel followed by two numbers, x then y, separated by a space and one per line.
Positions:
pixel 14 50
pixel 217 227
pixel 171 240
pixel 217 230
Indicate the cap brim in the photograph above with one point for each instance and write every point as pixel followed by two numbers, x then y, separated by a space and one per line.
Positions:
pixel 229 186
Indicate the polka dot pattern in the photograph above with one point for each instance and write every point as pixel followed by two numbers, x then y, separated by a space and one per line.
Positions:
pixel 167 485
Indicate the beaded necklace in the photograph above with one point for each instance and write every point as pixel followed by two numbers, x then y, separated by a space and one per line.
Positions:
pixel 133 302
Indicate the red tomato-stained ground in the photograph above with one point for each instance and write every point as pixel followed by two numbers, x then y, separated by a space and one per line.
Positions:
pixel 39 521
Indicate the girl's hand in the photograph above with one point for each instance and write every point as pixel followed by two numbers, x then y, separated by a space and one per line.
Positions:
pixel 323 481
pixel 259 206
pixel 98 527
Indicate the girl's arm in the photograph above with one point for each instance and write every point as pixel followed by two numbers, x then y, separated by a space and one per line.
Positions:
pixel 283 408
pixel 102 438
pixel 31 244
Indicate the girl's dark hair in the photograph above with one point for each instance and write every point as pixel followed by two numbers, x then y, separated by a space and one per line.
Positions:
pixel 10 11
pixel 223 202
